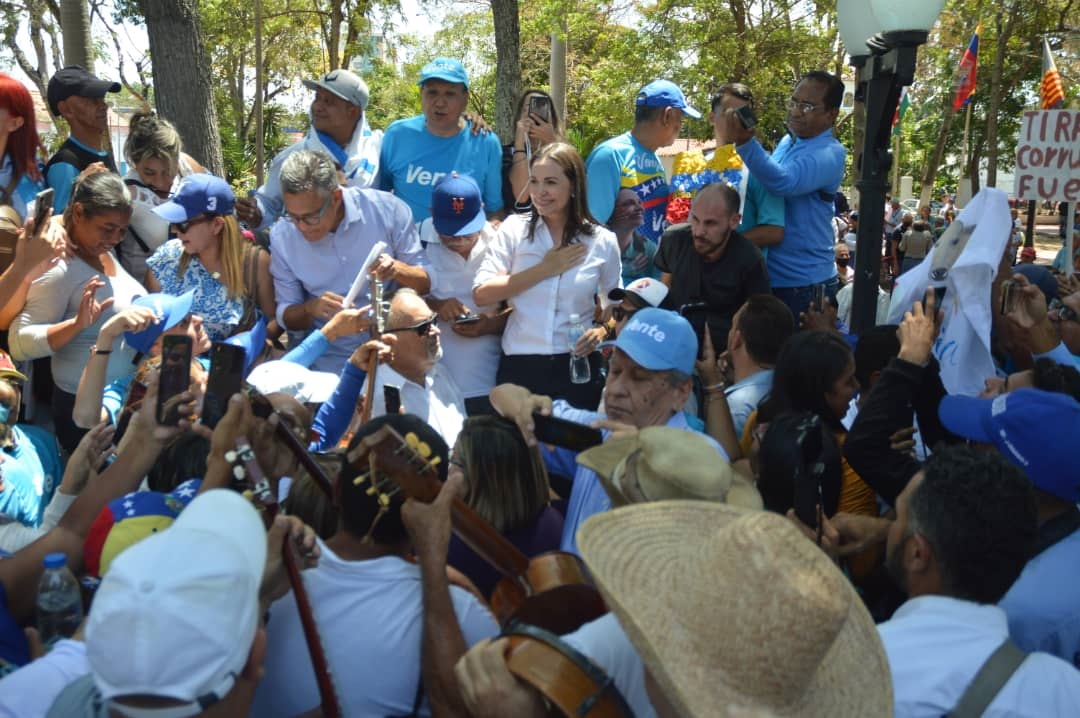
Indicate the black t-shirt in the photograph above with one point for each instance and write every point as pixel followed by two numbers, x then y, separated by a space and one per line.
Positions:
pixel 723 285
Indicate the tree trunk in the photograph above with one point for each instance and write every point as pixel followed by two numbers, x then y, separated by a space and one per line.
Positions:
pixel 557 73
pixel 75 23
pixel 934 161
pixel 508 66
pixel 1004 28
pixel 182 88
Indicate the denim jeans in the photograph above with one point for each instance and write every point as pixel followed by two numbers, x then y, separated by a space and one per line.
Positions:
pixel 798 298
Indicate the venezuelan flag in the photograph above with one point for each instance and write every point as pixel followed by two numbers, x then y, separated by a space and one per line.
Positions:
pixel 1051 91
pixel 965 86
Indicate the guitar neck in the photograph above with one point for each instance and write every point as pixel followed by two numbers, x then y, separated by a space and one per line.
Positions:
pixel 300 452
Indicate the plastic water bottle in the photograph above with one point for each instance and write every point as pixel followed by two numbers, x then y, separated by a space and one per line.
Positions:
pixel 59 601
pixel 579 363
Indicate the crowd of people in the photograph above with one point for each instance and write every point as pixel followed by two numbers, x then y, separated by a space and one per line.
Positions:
pixel 317 451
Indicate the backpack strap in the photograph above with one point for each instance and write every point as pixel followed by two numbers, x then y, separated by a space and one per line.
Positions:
pixel 988 682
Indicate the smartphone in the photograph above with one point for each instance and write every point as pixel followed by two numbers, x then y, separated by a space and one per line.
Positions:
pixel 1008 296
pixel 807 487
pixel 226 378
pixel 697 314
pixel 467 319
pixel 747 116
pixel 818 297
pixel 43 202
pixel 392 398
pixel 175 377
pixel 567 434
pixel 134 402
pixel 541 107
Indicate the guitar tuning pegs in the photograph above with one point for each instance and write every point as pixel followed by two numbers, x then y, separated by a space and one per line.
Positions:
pixel 434 462
pixel 423 449
pixel 360 479
pixel 249 495
pixel 372 490
pixel 384 500
pixel 412 440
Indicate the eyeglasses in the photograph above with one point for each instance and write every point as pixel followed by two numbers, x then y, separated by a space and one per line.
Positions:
pixel 185 227
pixel 309 219
pixel 804 108
pixel 421 328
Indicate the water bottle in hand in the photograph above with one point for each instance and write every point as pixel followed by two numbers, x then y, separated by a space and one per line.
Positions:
pixel 579 363
pixel 59 601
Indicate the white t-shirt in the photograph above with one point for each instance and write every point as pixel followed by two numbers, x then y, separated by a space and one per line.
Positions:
pixel 370 617
pixel 540 323
pixel 606 644
pixel 471 361
pixel 30 691
pixel 438 402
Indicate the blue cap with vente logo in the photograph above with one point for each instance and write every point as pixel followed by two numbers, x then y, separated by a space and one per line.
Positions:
pixel 664 93
pixel 446 69
pixel 456 206
pixel 198 194
pixel 659 340
pixel 168 309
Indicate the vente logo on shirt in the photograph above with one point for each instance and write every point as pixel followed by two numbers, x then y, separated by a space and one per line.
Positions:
pixel 416 174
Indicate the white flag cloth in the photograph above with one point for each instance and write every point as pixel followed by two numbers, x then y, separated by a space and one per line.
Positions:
pixel 964 261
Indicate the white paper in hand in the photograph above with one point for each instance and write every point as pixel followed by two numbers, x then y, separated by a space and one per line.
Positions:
pixel 360 283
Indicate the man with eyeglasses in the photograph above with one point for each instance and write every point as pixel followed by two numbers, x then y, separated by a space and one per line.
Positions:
pixel 806 169
pixel 637 295
pixel 323 245
pixel 412 350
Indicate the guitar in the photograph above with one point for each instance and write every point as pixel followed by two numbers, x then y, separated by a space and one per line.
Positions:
pixel 262 408
pixel 262 493
pixel 551 590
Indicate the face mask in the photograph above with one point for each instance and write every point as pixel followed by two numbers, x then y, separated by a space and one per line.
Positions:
pixel 842 262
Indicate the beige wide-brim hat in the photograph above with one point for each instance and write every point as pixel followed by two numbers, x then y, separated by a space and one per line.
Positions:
pixel 734 612
pixel 667 463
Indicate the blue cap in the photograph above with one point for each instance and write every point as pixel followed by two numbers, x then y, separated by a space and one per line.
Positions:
pixel 168 309
pixel 444 68
pixel 664 93
pixel 456 206
pixel 1034 429
pixel 198 194
pixel 55 560
pixel 1040 277
pixel 252 341
pixel 659 340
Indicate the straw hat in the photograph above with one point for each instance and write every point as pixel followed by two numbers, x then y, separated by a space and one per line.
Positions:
pixel 660 463
pixel 735 612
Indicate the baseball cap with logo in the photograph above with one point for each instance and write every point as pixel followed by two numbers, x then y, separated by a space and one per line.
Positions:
pixel 659 340
pixel 7 368
pixel 456 206
pixel 168 309
pixel 1034 429
pixel 343 84
pixel 444 68
pixel 664 93
pixel 74 81
pixel 198 194
pixel 650 291
pixel 176 614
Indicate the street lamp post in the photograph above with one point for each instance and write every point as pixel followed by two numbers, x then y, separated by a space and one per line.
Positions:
pixel 882 37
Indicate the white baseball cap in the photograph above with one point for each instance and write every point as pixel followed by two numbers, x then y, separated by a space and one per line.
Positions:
pixel 650 291
pixel 176 615
pixel 299 382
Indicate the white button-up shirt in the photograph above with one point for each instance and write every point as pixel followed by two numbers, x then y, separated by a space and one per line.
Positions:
pixel 471 361
pixel 438 402
pixel 937 644
pixel 303 269
pixel 540 321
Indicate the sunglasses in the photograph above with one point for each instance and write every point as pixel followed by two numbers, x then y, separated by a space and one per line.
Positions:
pixel 421 328
pixel 185 227
pixel 621 314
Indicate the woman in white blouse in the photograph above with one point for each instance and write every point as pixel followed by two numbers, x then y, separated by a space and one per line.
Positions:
pixel 67 305
pixel 548 265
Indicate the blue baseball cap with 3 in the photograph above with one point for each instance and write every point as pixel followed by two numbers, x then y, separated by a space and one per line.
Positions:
pixel 1034 429
pixel 168 309
pixel 444 68
pixel 659 340
pixel 456 206
pixel 664 93
pixel 198 194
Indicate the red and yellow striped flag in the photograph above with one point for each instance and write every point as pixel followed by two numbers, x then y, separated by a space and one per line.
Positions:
pixel 1051 91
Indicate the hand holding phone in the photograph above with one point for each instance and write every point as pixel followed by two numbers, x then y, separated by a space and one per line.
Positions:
pixel 567 434
pixel 541 107
pixel 467 319
pixel 747 117
pixel 175 377
pixel 392 398
pixel 43 203
pixel 226 378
